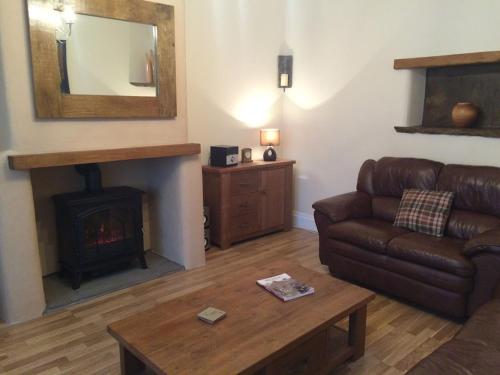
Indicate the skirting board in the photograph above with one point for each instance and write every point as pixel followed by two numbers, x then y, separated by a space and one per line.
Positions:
pixel 304 221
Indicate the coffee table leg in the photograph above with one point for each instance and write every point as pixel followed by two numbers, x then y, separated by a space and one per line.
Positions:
pixel 129 363
pixel 357 332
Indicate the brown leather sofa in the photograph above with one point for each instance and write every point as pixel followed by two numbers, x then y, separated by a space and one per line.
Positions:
pixel 475 350
pixel 452 275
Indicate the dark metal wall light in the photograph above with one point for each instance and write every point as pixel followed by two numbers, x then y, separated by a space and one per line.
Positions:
pixel 285 72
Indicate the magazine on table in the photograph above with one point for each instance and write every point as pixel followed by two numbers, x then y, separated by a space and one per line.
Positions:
pixel 285 287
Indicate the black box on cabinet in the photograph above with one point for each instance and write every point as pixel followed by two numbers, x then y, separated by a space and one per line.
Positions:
pixel 223 156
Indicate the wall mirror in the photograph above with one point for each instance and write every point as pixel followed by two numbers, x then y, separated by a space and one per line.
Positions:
pixel 89 57
pixel 102 59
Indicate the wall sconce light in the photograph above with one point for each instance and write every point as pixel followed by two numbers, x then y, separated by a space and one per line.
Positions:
pixel 270 138
pixel 285 72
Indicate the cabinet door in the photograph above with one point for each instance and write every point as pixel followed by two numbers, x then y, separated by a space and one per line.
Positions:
pixel 273 198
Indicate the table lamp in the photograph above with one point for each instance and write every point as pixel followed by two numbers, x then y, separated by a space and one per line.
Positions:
pixel 269 137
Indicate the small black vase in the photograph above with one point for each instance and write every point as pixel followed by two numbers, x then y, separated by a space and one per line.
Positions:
pixel 270 154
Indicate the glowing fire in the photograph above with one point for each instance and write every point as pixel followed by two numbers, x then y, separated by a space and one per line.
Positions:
pixel 106 234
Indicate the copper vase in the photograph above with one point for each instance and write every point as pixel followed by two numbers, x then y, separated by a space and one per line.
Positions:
pixel 464 115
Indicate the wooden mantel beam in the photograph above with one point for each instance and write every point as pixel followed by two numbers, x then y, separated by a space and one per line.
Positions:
pixel 58 159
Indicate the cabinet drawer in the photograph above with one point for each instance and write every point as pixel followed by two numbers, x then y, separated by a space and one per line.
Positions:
pixel 244 204
pixel 306 359
pixel 245 182
pixel 244 225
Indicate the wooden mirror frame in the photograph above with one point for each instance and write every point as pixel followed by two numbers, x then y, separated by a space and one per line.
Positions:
pixel 50 102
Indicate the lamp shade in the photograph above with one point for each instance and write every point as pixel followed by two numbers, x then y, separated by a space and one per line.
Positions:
pixel 269 137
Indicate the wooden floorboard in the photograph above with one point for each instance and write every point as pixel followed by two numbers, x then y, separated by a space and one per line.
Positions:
pixel 74 340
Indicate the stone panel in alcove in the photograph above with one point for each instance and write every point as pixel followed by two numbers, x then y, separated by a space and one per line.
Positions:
pixel 478 84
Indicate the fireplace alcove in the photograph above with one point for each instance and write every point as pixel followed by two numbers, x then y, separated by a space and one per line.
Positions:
pixel 170 174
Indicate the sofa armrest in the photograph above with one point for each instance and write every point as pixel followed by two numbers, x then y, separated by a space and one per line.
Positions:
pixel 353 205
pixel 487 242
pixel 496 292
pixel 486 279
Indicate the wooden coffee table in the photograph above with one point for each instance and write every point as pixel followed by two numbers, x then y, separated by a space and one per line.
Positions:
pixel 260 335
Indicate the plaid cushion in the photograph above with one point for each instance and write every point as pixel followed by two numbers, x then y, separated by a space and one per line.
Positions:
pixel 424 211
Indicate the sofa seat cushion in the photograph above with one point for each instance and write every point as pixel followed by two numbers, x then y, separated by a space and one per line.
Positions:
pixel 429 276
pixel 439 253
pixel 370 234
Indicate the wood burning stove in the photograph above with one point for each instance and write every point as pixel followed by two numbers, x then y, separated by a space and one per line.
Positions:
pixel 99 227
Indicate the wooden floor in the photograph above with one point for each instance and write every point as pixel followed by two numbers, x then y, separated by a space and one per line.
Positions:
pixel 74 340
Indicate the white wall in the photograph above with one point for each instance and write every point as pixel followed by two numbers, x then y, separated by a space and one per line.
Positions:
pixel 232 53
pixel 21 292
pixel 28 135
pixel 343 106
pixel 347 98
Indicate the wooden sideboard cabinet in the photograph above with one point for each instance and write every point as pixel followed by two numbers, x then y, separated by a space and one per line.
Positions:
pixel 248 200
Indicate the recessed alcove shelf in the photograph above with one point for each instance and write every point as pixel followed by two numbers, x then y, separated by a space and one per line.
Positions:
pixel 488 133
pixel 468 77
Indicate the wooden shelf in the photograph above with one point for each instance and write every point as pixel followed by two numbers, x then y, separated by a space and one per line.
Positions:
pixel 143 84
pixel 448 60
pixel 58 159
pixel 479 132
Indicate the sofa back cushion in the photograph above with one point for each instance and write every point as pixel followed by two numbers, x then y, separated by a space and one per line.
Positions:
pixel 461 224
pixel 476 189
pixel 467 224
pixel 476 206
pixel 391 176
pixel 385 208
pixel 365 177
